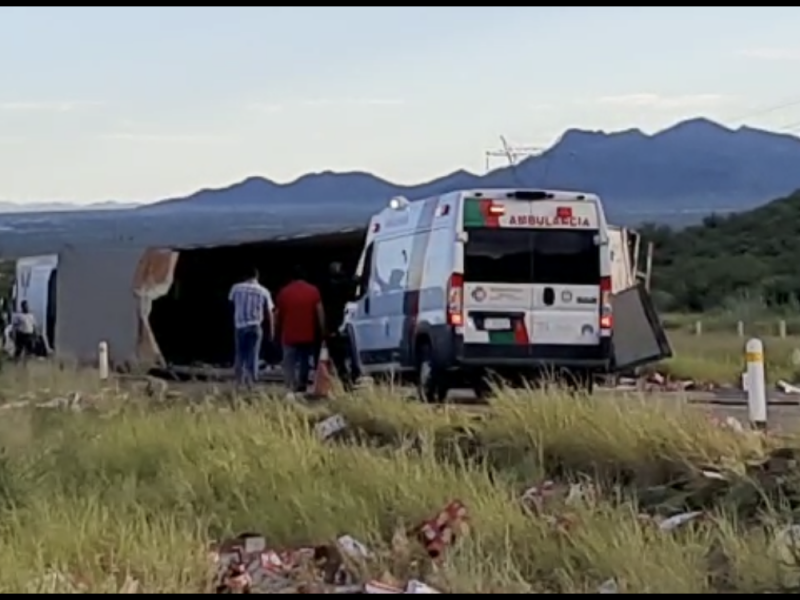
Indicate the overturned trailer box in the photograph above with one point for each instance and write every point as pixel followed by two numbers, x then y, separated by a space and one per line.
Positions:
pixel 160 306
pixel 166 302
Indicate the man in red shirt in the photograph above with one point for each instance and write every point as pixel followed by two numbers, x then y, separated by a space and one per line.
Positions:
pixel 299 313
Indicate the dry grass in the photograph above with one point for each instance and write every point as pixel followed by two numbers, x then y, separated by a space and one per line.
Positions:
pixel 719 357
pixel 137 487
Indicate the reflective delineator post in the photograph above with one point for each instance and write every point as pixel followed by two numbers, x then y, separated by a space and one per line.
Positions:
pixel 756 383
pixel 102 360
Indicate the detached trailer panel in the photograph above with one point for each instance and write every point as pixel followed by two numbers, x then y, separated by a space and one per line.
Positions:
pixel 638 338
pixel 623 267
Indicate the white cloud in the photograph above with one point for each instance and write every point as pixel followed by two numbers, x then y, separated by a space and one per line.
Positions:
pixel 661 102
pixel 328 102
pixel 165 138
pixel 265 107
pixel 378 101
pixel 45 106
pixel 772 53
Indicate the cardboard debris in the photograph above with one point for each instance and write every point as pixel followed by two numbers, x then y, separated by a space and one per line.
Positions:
pixel 562 523
pixel 72 402
pixel 53 582
pixel 129 586
pixel 659 382
pixel 439 533
pixel 329 427
pixel 412 587
pixel 246 564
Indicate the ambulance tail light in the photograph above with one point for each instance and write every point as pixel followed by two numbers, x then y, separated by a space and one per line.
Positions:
pixel 606 313
pixel 496 209
pixel 455 300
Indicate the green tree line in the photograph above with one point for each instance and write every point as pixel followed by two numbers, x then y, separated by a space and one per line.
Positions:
pixel 753 255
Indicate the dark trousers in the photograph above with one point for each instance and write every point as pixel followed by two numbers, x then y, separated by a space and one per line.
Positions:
pixel 24 345
pixel 297 365
pixel 340 351
pixel 247 352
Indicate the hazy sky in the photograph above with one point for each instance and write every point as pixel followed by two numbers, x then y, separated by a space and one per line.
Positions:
pixel 138 104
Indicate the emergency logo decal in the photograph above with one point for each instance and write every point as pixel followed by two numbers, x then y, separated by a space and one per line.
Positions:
pixel 479 294
pixel 477 213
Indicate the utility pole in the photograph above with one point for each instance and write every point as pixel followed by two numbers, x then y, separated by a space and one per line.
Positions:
pixel 512 154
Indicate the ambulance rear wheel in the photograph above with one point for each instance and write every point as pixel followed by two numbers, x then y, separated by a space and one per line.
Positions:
pixel 431 382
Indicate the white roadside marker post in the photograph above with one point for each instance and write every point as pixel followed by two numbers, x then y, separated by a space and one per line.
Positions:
pixel 102 360
pixel 756 384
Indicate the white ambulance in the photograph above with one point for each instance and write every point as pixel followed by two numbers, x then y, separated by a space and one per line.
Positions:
pixel 495 281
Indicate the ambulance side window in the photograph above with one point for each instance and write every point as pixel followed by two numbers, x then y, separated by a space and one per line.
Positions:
pixel 366 272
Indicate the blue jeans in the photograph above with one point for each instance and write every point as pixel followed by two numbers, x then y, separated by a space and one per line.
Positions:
pixel 247 353
pixel 296 365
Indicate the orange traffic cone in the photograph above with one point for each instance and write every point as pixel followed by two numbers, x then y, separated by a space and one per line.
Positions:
pixel 323 381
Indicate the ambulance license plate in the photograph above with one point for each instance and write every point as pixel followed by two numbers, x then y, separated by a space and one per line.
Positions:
pixel 496 324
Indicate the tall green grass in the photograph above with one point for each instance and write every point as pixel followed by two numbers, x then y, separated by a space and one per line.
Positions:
pixel 132 488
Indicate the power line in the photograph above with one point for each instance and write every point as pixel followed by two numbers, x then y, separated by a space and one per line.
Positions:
pixel 769 109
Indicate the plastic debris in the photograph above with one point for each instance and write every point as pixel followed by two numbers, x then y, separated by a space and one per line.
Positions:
pixel 608 587
pixel 713 474
pixel 376 587
pixel 353 548
pixel 679 520
pixel 536 497
pixel 787 388
pixel 729 423
pixel 418 587
pixel 787 544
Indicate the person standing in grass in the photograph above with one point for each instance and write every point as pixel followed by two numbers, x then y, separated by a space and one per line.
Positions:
pixel 252 305
pixel 338 290
pixel 23 329
pixel 300 317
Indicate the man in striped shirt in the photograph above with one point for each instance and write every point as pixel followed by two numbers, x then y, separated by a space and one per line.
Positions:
pixel 252 303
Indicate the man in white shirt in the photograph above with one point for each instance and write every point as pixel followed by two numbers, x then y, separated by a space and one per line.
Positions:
pixel 24 328
pixel 252 304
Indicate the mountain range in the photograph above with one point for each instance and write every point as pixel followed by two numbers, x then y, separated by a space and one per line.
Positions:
pixel 692 168
pixel 18 207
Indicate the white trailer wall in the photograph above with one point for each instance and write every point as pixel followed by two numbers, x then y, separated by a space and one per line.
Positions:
pixel 96 303
pixel 623 271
